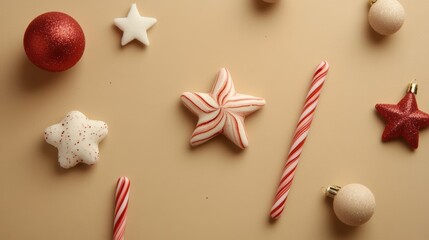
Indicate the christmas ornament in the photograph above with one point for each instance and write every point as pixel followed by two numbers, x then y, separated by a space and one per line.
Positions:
pixel 222 111
pixel 121 208
pixel 386 16
pixel 299 138
pixel 354 204
pixel 76 138
pixel 54 41
pixel 134 26
pixel 404 119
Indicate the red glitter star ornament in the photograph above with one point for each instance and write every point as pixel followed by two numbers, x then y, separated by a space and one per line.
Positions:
pixel 404 119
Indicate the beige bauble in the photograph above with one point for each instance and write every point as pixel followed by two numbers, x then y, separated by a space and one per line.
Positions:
pixel 386 16
pixel 354 204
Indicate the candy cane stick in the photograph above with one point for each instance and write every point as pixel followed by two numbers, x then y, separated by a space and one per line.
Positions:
pixel 301 133
pixel 121 208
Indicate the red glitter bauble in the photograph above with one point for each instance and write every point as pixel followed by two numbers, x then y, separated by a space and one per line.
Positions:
pixel 54 41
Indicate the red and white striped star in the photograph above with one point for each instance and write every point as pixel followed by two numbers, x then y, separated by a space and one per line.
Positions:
pixel 222 111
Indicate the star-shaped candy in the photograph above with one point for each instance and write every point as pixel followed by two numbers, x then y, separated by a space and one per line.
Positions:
pixel 222 111
pixel 403 120
pixel 76 138
pixel 134 26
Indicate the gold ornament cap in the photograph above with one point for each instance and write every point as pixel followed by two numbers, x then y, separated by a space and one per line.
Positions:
pixel 332 191
pixel 413 87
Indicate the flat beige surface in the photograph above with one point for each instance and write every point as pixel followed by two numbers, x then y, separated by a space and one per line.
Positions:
pixel 213 191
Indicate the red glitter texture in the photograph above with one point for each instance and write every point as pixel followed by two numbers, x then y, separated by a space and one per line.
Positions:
pixel 54 41
pixel 403 120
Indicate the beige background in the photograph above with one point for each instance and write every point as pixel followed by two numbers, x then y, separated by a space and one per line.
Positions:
pixel 213 191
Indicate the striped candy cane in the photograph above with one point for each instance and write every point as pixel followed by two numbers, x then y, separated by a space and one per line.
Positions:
pixel 301 133
pixel 121 208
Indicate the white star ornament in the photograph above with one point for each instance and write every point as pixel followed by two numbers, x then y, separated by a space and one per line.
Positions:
pixel 134 26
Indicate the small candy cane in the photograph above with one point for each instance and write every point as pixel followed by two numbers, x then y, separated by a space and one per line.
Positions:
pixel 121 208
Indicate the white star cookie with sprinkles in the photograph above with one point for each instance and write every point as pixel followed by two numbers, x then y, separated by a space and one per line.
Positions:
pixel 222 111
pixel 134 26
pixel 76 138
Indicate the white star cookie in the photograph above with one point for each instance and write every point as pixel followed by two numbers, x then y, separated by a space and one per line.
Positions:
pixel 76 138
pixel 134 26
